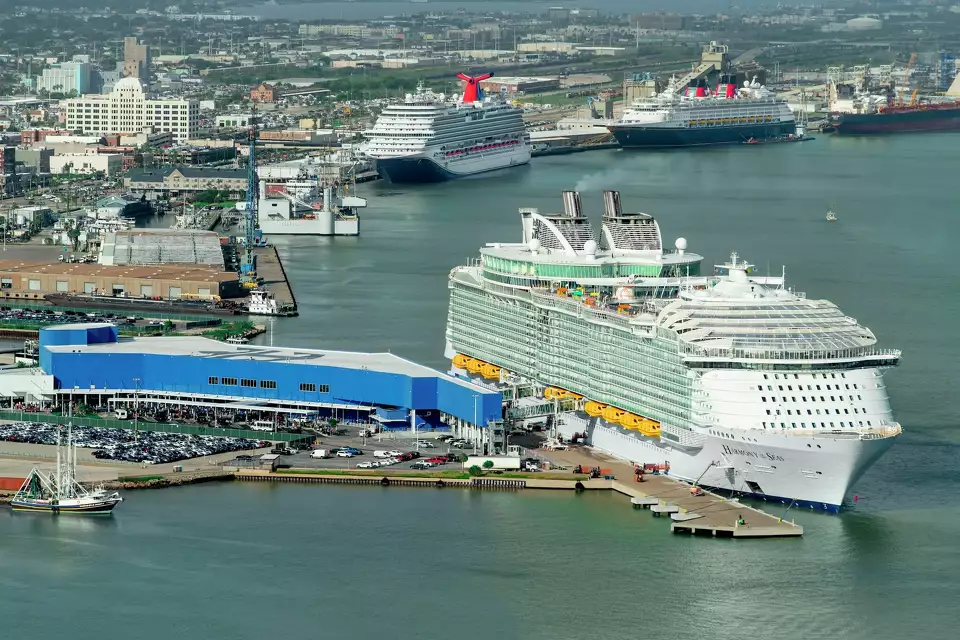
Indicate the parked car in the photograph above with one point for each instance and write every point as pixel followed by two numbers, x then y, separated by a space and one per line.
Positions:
pixel 394 453
pixel 453 457
pixel 444 437
pixel 343 453
pixel 425 444
pixel 437 460
pixel 365 465
pixel 353 450
pixel 420 466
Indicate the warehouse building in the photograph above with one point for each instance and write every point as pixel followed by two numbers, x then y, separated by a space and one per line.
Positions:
pixel 516 86
pixel 162 247
pixel 92 359
pixel 34 280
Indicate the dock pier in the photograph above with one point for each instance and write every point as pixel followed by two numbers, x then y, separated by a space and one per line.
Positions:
pixel 697 512
pixel 270 269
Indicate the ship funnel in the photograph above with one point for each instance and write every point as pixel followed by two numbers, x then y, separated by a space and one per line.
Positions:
pixel 701 91
pixel 571 204
pixel 472 92
pixel 611 204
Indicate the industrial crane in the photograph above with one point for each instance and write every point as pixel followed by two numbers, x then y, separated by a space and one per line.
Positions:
pixel 248 272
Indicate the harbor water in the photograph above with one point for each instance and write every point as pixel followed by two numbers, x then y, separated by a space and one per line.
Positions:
pixel 249 560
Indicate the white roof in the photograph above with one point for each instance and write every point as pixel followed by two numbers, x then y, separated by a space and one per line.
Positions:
pixel 209 348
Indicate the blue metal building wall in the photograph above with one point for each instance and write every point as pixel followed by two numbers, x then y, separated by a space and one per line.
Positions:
pixel 75 334
pixel 190 374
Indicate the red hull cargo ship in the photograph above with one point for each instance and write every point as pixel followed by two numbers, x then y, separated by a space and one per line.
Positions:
pixel 940 116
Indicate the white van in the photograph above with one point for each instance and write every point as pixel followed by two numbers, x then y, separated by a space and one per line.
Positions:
pixel 261 425
pixel 381 454
pixel 319 453
pixel 122 414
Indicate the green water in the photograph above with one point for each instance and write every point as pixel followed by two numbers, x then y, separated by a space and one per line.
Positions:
pixel 254 561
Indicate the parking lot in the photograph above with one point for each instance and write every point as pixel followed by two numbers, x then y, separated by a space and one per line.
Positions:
pixel 432 444
pixel 403 442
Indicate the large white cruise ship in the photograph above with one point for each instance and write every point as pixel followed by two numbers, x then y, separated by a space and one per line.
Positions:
pixel 732 380
pixel 701 116
pixel 427 138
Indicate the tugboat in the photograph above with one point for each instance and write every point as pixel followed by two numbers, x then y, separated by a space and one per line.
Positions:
pixel 60 492
pixel 263 303
pixel 831 217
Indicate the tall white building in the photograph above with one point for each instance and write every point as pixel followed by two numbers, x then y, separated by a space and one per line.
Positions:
pixel 127 109
pixel 66 77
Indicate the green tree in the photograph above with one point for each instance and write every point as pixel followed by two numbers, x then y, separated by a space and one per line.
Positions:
pixel 487 465
pixel 476 471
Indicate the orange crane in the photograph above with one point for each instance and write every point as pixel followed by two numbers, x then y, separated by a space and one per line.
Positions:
pixel 906 78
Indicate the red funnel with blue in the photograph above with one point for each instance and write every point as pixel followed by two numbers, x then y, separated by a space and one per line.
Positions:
pixel 472 91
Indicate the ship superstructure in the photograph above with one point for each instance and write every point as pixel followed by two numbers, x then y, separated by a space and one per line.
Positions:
pixel 428 138
pixel 732 380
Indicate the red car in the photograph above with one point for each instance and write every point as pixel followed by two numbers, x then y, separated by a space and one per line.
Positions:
pixel 437 460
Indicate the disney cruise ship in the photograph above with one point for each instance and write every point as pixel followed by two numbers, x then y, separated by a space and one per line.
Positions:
pixel 426 138
pixel 700 116
pixel 726 379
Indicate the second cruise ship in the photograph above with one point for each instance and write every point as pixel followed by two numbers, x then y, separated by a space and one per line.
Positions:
pixel 426 138
pixel 726 379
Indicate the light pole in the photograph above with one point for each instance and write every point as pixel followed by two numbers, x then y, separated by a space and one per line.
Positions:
pixel 136 410
pixel 476 424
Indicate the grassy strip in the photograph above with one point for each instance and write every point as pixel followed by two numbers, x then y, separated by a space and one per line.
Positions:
pixel 457 475
pixel 139 478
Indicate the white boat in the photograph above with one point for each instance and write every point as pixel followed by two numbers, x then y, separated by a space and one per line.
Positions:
pixel 426 138
pixel 733 381
pixel 59 492
pixel 263 303
pixel 831 217
pixel 236 340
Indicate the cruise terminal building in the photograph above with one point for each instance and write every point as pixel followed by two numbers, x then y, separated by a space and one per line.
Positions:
pixel 92 360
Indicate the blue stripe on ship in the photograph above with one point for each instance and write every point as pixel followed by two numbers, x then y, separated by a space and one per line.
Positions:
pixel 640 137
pixel 803 504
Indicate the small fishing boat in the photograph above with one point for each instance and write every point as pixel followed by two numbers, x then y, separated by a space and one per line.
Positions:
pixel 831 217
pixel 237 340
pixel 59 492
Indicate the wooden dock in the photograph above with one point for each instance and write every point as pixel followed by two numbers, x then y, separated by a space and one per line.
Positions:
pixel 270 268
pixel 705 514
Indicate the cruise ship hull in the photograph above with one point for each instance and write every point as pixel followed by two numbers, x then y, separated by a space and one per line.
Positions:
pixel 813 472
pixel 852 124
pixel 640 136
pixel 420 169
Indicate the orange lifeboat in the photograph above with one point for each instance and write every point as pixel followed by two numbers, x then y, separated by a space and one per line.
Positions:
pixel 613 415
pixel 594 409
pixel 461 361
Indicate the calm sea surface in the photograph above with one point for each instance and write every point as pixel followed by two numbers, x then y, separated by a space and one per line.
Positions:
pixel 253 561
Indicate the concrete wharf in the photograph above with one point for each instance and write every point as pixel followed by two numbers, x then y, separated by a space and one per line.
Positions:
pixel 704 514
pixel 270 269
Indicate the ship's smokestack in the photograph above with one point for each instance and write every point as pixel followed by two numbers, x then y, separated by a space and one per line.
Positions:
pixel 731 87
pixel 571 204
pixel 611 204
pixel 701 88
pixel 472 92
